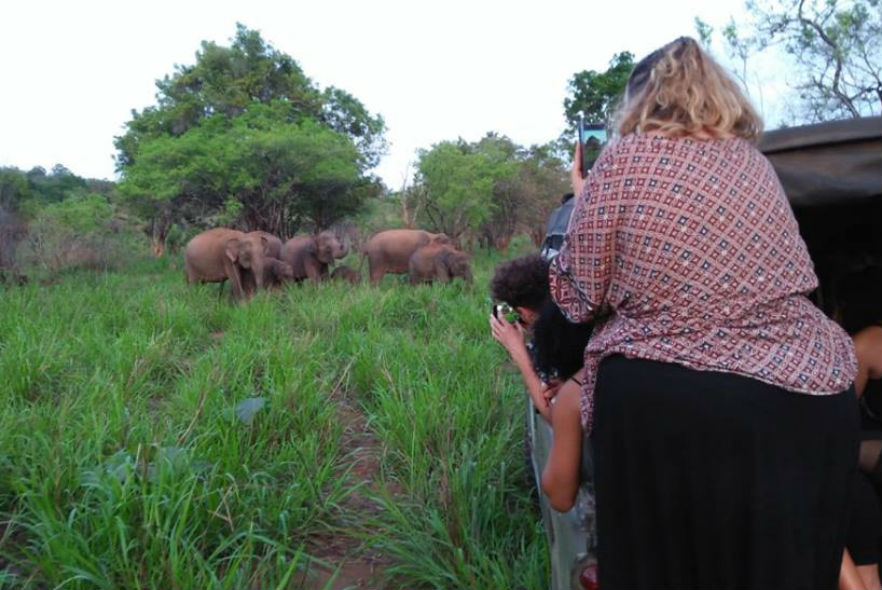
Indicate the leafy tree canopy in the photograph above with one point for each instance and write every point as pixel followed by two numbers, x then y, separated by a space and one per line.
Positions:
pixel 244 137
pixel 258 170
pixel 229 80
pixel 596 93
pixel 487 190
pixel 458 182
pixel 26 192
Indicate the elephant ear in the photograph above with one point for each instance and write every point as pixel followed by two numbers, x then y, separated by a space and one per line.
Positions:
pixel 231 250
pixel 265 244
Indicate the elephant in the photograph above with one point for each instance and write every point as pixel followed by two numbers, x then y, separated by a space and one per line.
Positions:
pixel 219 254
pixel 438 262
pixel 309 256
pixel 347 273
pixel 390 251
pixel 277 272
pixel 274 243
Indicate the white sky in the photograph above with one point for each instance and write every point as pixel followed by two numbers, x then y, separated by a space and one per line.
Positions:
pixel 72 71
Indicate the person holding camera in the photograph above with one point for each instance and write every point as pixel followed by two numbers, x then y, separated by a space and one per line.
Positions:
pixel 716 394
pixel 520 288
pixel 551 365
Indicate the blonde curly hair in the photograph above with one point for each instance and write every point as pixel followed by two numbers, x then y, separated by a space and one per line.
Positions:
pixel 679 90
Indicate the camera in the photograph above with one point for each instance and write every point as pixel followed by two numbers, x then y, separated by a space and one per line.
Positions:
pixel 504 310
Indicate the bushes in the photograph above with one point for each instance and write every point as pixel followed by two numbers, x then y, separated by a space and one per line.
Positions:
pixel 80 232
pixel 59 221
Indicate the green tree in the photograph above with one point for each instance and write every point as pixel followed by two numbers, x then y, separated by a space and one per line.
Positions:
pixel 457 186
pixel 81 214
pixel 596 93
pixel 528 185
pixel 487 190
pixel 14 188
pixel 14 192
pixel 257 170
pixel 56 186
pixel 543 178
pixel 347 115
pixel 243 136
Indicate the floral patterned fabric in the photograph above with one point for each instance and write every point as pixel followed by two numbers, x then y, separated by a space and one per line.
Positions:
pixel 687 251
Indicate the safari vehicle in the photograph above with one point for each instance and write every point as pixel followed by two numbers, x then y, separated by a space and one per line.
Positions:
pixel 832 174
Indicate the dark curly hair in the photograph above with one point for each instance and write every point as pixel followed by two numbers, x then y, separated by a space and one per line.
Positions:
pixel 521 282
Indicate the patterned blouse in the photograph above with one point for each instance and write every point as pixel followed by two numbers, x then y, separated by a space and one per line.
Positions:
pixel 686 251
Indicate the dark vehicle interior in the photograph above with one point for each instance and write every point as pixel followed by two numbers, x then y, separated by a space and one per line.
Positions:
pixel 832 173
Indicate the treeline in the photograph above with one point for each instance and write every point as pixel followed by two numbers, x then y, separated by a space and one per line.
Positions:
pixel 485 192
pixel 244 138
pixel 57 220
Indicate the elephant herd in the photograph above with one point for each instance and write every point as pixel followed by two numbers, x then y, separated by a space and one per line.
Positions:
pixel 259 260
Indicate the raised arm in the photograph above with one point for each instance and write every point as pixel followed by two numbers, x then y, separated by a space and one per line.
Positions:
pixel 560 478
pixel 511 337
pixel 580 275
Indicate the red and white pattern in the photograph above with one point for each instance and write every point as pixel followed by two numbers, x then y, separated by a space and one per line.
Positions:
pixel 687 251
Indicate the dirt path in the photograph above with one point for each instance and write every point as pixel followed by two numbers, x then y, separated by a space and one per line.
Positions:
pixel 359 567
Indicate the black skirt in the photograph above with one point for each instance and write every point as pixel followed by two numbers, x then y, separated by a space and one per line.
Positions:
pixel 713 480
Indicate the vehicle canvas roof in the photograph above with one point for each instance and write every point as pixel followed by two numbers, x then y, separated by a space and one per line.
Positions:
pixel 827 163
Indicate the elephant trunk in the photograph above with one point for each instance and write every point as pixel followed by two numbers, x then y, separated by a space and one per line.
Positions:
pixel 258 270
pixel 344 250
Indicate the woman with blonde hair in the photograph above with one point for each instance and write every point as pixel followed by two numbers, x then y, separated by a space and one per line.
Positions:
pixel 715 392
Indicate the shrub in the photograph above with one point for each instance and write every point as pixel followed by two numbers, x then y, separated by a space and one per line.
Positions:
pixel 81 232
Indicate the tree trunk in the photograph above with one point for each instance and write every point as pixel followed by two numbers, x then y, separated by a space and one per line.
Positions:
pixel 159 234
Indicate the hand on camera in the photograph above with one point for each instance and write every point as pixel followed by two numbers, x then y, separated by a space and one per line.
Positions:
pixel 509 335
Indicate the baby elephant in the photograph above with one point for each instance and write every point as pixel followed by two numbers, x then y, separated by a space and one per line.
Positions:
pixel 346 273
pixel 277 272
pixel 438 262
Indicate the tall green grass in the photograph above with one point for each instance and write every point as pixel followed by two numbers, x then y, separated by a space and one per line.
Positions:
pixel 126 460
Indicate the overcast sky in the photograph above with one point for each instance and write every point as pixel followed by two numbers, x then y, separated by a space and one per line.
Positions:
pixel 73 71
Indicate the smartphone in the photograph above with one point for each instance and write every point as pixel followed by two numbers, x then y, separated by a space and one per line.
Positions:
pixel 592 138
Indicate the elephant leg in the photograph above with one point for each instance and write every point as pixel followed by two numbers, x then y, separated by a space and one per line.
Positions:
pixel 376 272
pixel 237 293
pixel 313 270
pixel 441 271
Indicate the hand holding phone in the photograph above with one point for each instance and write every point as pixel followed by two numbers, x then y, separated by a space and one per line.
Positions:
pixel 589 143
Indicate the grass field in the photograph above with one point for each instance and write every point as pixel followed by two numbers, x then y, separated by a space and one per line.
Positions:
pixel 153 436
